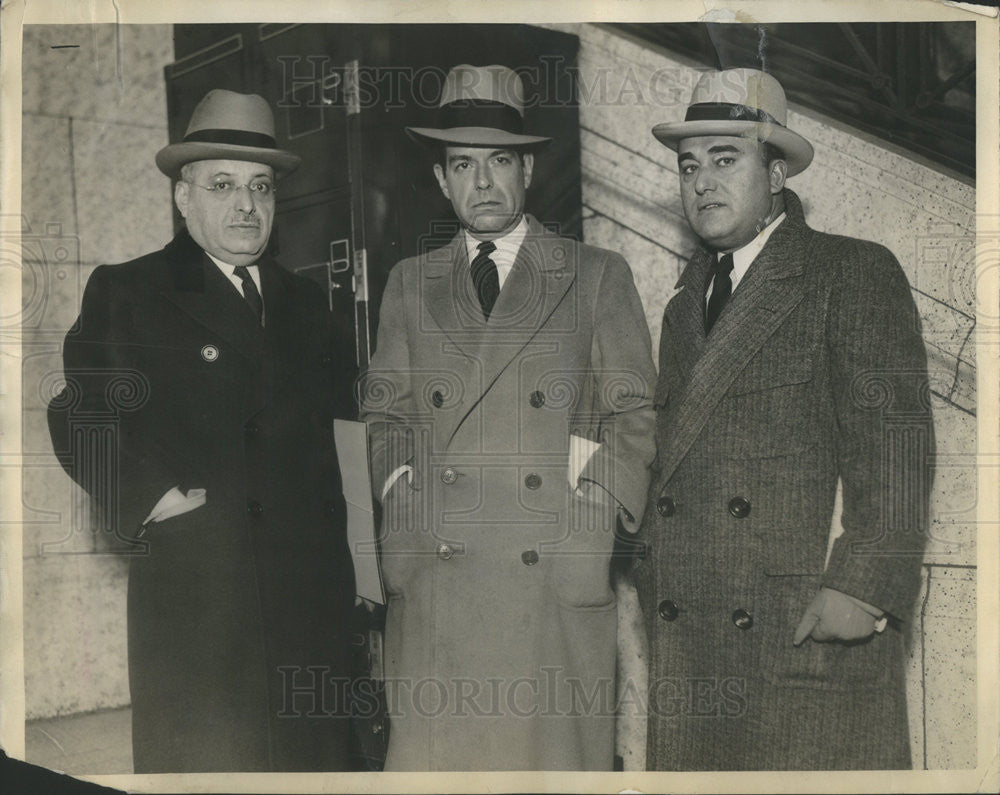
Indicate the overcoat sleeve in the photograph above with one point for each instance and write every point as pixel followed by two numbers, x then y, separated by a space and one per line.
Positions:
pixel 624 378
pixel 884 426
pixel 126 474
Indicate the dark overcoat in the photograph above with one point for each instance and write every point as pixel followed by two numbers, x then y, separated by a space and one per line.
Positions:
pixel 234 604
pixel 501 625
pixel 815 372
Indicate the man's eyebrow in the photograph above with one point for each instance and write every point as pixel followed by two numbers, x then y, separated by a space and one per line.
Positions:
pixel 713 150
pixel 458 158
pixel 230 175
pixel 724 148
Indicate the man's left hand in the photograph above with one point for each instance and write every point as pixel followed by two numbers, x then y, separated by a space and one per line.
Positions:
pixel 833 615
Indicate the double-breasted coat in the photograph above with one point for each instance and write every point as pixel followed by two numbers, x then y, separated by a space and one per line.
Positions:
pixel 815 372
pixel 238 610
pixel 501 624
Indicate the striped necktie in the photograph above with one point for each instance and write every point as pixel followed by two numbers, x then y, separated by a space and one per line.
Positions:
pixel 485 277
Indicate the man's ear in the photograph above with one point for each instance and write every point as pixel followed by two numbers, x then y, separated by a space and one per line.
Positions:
pixel 528 162
pixel 182 192
pixel 442 183
pixel 777 173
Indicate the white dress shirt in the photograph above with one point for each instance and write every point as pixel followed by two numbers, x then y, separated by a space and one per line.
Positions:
pixel 744 256
pixel 229 271
pixel 507 248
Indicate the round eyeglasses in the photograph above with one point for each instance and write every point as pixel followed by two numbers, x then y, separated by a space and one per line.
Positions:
pixel 223 188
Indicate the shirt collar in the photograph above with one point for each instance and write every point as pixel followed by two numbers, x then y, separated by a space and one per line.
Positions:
pixel 226 267
pixel 744 256
pixel 507 246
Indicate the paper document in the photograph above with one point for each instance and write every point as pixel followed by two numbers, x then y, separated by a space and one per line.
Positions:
pixel 352 453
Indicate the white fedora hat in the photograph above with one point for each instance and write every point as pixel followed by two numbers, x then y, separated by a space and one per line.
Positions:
pixel 479 106
pixel 228 126
pixel 745 102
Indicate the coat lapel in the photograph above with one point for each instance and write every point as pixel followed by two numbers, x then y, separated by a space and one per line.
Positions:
pixel 542 273
pixel 684 319
pixel 540 277
pixel 201 291
pixel 770 290
pixel 283 328
pixel 449 296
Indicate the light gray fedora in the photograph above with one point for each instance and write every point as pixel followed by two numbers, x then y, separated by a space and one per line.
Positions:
pixel 226 125
pixel 479 106
pixel 743 102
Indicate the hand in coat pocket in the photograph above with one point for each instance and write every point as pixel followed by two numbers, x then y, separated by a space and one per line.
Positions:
pixel 173 503
pixel 833 615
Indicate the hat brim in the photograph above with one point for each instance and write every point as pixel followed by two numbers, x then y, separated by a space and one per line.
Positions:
pixel 474 136
pixel 170 159
pixel 797 151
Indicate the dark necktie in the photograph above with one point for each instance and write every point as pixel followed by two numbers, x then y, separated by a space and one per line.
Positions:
pixel 485 277
pixel 250 292
pixel 722 288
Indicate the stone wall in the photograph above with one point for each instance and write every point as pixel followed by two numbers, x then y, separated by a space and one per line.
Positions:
pixel 855 186
pixel 94 114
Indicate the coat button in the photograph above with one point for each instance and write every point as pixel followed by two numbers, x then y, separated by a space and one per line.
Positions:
pixel 252 428
pixel 668 610
pixel 255 508
pixel 332 507
pixel 665 506
pixel 529 557
pixel 739 507
pixel 536 399
pixel 449 476
pixel 533 481
pixel 742 619
pixel 445 552
pixel 437 399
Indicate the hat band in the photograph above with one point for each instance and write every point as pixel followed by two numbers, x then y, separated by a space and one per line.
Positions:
pixel 480 113
pixel 234 137
pixel 728 111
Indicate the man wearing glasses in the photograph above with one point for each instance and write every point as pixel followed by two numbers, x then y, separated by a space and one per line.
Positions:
pixel 219 373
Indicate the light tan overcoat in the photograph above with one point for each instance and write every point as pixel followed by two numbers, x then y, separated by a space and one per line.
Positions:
pixel 501 628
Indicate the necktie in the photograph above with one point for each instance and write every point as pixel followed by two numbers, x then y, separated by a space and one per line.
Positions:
pixel 250 292
pixel 722 288
pixel 485 277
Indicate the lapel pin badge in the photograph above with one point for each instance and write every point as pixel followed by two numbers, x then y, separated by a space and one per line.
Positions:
pixel 209 353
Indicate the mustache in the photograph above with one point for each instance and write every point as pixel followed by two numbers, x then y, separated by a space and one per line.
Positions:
pixel 245 220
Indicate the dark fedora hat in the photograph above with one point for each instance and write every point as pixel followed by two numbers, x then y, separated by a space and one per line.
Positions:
pixel 479 106
pixel 228 126
pixel 742 102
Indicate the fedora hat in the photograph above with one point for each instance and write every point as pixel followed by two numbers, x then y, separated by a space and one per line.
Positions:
pixel 479 106
pixel 228 126
pixel 745 102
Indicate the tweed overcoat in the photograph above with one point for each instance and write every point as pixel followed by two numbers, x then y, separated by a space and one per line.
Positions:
pixel 229 604
pixel 501 624
pixel 815 371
